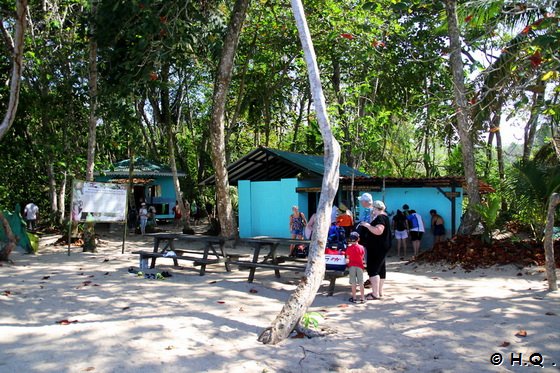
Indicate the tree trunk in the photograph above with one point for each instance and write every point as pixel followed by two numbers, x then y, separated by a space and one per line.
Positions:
pixel 176 185
pixel 304 295
pixel 549 243
pixel 531 126
pixel 298 120
pixel 464 121
pixel 62 199
pixel 143 118
pixel 217 136
pixel 17 68
pixel 52 189
pixel 489 153
pixel 11 245
pixel 89 228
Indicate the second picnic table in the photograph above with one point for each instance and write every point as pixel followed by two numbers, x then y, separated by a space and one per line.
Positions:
pixel 272 261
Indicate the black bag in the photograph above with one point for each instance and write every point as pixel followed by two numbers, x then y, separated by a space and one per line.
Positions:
pixel 302 251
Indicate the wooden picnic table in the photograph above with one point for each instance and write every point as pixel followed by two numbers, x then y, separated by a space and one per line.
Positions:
pixel 273 261
pixel 213 250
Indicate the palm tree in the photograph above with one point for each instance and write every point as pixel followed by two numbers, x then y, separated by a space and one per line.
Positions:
pixel 529 187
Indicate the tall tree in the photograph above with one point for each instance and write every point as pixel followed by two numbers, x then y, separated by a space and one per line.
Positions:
pixel 296 306
pixel 553 203
pixel 89 231
pixel 15 46
pixel 464 120
pixel 217 132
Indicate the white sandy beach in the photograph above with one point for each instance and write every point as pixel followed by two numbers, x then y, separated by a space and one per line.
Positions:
pixel 432 318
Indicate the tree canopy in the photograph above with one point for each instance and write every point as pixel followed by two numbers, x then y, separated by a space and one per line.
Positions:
pixel 386 77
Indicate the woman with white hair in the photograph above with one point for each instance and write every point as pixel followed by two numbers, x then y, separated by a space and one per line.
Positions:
pixel 377 242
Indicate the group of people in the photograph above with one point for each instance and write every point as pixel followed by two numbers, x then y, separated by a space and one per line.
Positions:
pixel 193 211
pixel 371 238
pixel 408 223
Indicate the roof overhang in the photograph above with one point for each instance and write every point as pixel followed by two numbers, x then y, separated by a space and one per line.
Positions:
pixel 265 164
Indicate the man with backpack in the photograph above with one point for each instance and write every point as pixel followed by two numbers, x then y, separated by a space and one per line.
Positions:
pixel 416 230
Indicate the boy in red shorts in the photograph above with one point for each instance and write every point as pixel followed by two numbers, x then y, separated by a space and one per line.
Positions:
pixel 355 262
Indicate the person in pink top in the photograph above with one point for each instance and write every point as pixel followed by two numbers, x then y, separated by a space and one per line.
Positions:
pixel 355 262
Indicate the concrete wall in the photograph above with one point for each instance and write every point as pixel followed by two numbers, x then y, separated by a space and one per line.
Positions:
pixel 265 207
pixel 422 200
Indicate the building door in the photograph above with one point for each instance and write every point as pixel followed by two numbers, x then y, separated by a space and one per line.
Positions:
pixel 312 202
pixel 139 195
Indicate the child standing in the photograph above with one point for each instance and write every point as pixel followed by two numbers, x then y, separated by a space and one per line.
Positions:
pixel 355 255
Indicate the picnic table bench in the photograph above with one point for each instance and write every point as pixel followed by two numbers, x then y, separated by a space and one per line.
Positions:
pixel 272 261
pixel 208 254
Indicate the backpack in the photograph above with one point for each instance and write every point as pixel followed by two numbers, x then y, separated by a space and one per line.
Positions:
pixel 400 224
pixel 413 220
pixel 337 237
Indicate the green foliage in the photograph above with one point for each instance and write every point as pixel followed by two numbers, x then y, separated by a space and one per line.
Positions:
pixel 384 67
pixel 529 186
pixel 312 319
pixel 489 212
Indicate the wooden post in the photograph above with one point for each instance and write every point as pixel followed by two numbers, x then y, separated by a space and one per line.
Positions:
pixel 553 202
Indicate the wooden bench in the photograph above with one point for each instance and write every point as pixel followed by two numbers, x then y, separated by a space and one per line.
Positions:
pixel 197 261
pixel 254 265
pixel 330 275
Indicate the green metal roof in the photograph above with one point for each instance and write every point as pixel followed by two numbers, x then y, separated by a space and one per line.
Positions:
pixel 142 167
pixel 265 164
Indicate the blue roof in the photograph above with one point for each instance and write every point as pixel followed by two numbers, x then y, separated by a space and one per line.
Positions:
pixel 142 167
pixel 265 164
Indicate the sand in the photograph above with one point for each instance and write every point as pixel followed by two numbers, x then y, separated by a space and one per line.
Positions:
pixel 432 318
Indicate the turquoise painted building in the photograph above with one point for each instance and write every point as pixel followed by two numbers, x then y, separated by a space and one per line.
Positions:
pixel 271 181
pixel 152 183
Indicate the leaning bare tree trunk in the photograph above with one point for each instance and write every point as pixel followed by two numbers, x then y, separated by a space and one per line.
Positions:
pixel 16 46
pixel 553 202
pixel 464 121
pixel 304 295
pixel 11 245
pixel 217 132
pixel 89 230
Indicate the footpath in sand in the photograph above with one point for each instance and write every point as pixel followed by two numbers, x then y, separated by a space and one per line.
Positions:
pixel 431 319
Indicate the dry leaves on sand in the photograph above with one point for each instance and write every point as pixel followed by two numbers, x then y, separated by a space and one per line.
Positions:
pixel 66 322
pixel 521 333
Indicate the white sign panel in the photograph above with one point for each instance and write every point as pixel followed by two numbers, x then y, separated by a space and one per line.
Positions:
pixel 98 202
